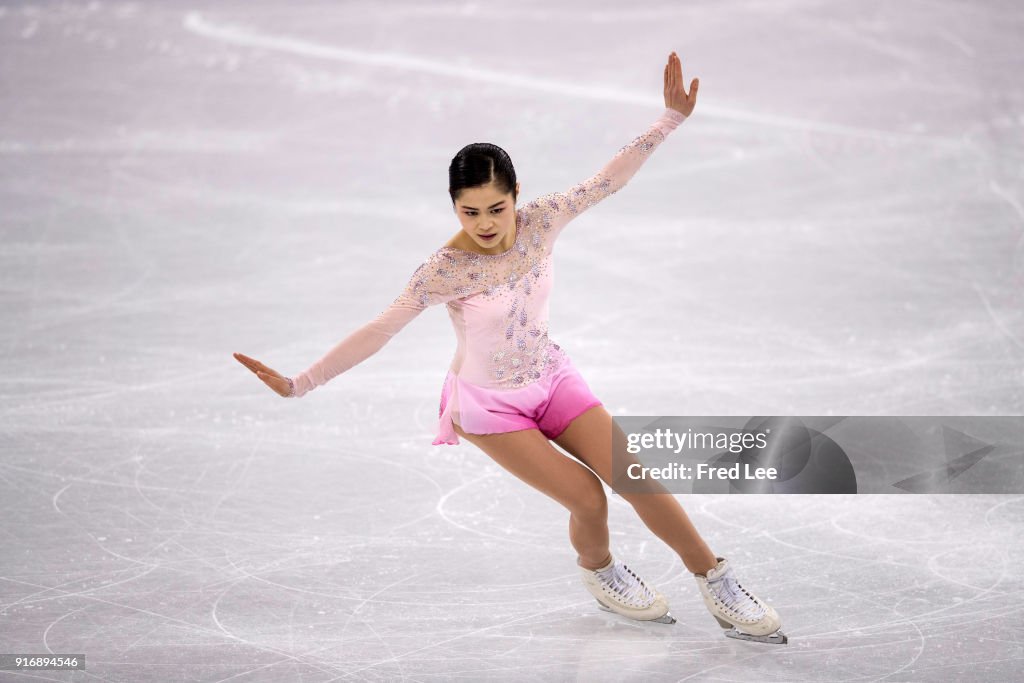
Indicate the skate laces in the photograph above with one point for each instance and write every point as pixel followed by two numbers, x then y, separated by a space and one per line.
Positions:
pixel 735 597
pixel 627 585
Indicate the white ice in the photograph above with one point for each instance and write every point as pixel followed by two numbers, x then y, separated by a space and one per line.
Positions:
pixel 837 230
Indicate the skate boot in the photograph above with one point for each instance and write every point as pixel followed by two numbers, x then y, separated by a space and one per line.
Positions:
pixel 736 609
pixel 618 589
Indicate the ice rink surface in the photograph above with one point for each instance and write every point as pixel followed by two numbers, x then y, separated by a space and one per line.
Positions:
pixel 837 230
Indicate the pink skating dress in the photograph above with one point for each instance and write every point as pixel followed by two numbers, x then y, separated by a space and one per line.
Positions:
pixel 498 305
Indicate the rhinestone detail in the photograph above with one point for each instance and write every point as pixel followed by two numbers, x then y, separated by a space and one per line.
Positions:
pixel 517 282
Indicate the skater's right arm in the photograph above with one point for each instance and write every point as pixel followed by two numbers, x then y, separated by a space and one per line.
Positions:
pixel 430 284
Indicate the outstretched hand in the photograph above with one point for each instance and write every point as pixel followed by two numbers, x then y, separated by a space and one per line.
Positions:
pixel 273 379
pixel 675 96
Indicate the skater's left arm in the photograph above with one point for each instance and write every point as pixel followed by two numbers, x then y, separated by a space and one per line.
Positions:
pixel 558 208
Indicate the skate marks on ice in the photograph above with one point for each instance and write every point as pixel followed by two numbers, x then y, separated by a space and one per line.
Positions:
pixel 155 505
pixel 256 37
pixel 921 587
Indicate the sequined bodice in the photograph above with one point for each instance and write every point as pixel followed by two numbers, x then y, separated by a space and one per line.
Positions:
pixel 501 316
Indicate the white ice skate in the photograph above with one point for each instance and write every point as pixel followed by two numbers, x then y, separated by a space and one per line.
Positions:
pixel 618 589
pixel 736 609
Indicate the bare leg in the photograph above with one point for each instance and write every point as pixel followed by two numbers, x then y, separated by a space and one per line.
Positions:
pixel 530 456
pixel 589 439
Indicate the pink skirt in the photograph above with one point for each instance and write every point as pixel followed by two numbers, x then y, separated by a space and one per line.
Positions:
pixel 549 404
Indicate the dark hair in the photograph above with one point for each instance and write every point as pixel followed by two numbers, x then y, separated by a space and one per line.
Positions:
pixel 478 164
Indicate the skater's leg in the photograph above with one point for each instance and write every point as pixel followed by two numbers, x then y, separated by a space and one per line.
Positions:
pixel 589 439
pixel 530 456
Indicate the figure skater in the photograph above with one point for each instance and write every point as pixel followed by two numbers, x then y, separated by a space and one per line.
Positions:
pixel 511 391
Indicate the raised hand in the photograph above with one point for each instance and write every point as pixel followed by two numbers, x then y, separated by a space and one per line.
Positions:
pixel 675 96
pixel 273 379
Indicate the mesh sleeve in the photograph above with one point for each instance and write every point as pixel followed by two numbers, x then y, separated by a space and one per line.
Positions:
pixel 434 282
pixel 553 211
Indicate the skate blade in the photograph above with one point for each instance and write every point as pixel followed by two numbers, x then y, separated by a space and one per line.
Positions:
pixel 777 638
pixel 667 618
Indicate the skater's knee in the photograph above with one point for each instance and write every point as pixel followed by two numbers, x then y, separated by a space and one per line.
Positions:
pixel 589 500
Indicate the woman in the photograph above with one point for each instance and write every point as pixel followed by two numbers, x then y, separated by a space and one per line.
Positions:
pixel 511 391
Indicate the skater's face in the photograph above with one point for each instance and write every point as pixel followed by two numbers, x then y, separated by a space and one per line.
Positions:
pixel 488 217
